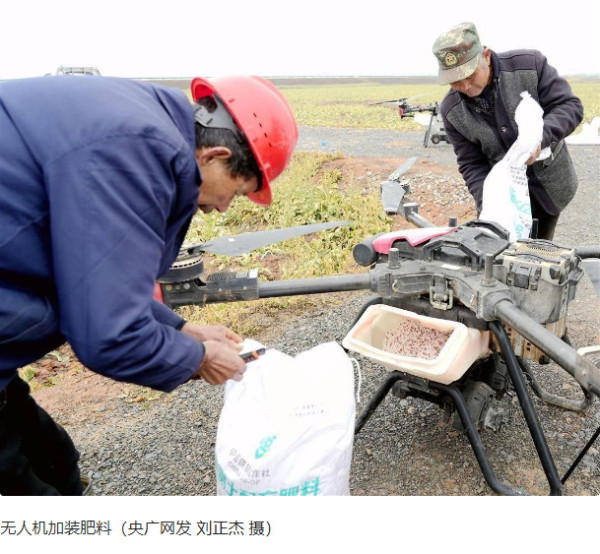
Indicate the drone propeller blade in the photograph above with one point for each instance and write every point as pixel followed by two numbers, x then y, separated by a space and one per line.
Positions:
pixel 393 191
pixel 592 267
pixel 399 171
pixel 247 242
pixel 396 102
pixel 414 97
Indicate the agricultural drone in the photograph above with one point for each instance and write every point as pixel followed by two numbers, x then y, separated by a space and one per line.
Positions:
pixel 518 292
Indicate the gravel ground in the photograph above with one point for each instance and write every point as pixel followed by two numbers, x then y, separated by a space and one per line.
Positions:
pixel 165 447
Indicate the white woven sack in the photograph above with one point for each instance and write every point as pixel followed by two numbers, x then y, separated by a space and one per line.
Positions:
pixel 506 199
pixel 287 428
pixel 505 189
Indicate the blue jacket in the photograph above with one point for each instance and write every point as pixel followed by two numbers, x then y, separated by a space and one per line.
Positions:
pixel 98 185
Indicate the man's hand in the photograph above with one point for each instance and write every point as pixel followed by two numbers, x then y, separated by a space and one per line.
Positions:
pixel 534 156
pixel 220 363
pixel 218 333
pixel 222 349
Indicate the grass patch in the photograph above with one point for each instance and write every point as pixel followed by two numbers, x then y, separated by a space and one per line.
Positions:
pixel 589 94
pixel 137 394
pixel 305 193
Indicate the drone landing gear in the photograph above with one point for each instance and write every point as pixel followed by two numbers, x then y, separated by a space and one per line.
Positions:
pixel 435 132
pixel 474 395
pixel 445 393
pixel 554 399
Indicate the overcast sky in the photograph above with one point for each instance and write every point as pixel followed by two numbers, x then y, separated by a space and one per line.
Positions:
pixel 183 38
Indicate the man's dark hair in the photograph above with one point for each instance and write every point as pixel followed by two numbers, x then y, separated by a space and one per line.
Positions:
pixel 242 162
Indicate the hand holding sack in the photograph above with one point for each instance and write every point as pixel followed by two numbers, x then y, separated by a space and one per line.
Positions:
pixel 506 189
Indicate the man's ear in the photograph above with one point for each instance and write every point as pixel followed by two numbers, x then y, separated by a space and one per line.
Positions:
pixel 207 154
pixel 487 55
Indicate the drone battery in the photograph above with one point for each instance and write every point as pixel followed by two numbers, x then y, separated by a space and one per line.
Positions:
pixel 526 349
pixel 427 347
pixel 542 276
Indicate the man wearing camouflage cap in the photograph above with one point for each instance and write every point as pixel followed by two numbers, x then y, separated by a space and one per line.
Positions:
pixel 478 115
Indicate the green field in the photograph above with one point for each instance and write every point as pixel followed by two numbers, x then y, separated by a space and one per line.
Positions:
pixel 352 104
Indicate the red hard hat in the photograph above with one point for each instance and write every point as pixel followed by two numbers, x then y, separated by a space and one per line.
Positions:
pixel 263 115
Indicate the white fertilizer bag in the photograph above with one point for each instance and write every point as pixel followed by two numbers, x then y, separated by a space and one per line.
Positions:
pixel 505 189
pixel 287 428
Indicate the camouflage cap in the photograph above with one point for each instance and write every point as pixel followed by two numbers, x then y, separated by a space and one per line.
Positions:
pixel 458 52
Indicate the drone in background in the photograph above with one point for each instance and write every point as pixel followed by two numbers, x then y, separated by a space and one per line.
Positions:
pixel 427 116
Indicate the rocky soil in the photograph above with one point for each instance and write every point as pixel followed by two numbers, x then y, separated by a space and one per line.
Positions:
pixel 135 442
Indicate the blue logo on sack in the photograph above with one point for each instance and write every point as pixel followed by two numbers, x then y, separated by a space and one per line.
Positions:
pixel 264 446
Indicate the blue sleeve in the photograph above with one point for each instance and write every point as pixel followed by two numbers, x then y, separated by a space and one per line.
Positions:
pixel 110 204
pixel 166 316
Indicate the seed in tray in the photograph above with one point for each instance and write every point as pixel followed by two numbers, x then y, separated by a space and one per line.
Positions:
pixel 413 340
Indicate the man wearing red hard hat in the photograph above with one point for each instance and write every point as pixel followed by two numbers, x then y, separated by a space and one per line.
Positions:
pixel 99 181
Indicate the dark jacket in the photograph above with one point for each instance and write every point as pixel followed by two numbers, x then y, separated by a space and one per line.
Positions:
pixel 480 140
pixel 98 184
